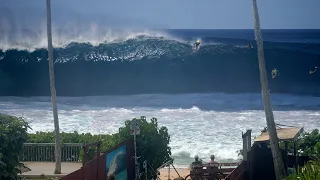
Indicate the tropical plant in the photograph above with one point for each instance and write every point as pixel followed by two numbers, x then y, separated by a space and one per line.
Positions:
pixel 308 144
pixel 152 143
pixel 53 93
pixel 310 171
pixel 280 171
pixel 13 133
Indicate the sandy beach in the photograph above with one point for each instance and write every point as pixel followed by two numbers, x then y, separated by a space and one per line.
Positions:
pixel 183 172
pixel 164 175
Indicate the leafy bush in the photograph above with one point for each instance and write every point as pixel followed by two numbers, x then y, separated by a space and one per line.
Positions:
pixel 310 171
pixel 152 143
pixel 13 133
pixel 308 144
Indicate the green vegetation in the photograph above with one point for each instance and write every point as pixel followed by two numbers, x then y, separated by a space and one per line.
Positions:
pixel 152 143
pixel 308 144
pixel 13 133
pixel 310 171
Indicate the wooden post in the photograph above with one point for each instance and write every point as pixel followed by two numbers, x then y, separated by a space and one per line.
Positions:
pixel 85 153
pixel 286 156
pixel 98 155
pixel 169 178
pixel 248 136
pixel 295 154
pixel 98 148
pixel 244 147
pixel 249 139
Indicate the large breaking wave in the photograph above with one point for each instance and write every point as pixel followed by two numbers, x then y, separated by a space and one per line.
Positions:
pixel 119 62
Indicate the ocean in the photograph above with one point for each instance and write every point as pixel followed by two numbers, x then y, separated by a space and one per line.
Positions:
pixel 206 98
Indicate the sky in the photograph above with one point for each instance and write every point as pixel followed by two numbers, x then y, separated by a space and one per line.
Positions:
pixel 185 14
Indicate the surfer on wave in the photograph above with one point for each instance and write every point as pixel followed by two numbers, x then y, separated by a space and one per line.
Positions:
pixel 313 70
pixel 197 44
pixel 274 73
pixel 249 46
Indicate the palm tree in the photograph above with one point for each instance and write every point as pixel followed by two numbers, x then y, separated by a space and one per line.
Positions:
pixel 53 93
pixel 276 153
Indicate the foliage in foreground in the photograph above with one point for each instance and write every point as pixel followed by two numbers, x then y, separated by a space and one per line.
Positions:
pixel 13 133
pixel 308 144
pixel 310 171
pixel 152 143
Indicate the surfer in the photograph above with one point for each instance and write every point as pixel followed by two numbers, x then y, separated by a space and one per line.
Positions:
pixel 274 72
pixel 313 70
pixel 197 44
pixel 249 46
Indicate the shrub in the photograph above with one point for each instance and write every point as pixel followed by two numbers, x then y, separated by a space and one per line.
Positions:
pixel 310 171
pixel 152 143
pixel 13 133
pixel 308 144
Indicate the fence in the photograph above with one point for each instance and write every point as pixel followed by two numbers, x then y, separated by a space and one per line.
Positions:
pixel 70 152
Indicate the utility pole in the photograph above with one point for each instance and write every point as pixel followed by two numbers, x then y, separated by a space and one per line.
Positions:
pixel 57 149
pixel 274 142
pixel 135 130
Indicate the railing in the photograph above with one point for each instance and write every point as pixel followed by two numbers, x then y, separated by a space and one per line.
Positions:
pixel 70 152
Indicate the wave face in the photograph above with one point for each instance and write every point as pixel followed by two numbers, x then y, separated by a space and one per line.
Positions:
pixel 159 62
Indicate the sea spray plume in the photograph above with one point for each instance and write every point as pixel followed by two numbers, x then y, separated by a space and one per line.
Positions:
pixel 7 25
pixel 23 36
pixel 33 39
pixel 279 169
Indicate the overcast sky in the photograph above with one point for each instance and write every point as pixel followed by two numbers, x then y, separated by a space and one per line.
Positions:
pixel 189 14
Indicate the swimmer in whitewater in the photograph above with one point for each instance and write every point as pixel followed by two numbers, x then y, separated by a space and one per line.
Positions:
pixel 274 72
pixel 197 44
pixel 313 70
pixel 249 46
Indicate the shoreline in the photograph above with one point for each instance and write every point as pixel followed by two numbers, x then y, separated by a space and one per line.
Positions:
pixel 183 172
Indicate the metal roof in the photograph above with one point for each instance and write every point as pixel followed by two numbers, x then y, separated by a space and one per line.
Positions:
pixel 284 134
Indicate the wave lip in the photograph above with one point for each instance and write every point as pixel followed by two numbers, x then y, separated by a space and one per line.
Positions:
pixel 149 62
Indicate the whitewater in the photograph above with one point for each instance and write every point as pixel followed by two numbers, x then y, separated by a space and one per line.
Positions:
pixel 199 124
pixel 205 98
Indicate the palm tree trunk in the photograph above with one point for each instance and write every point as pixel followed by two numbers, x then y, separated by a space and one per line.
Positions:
pixel 276 153
pixel 53 93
